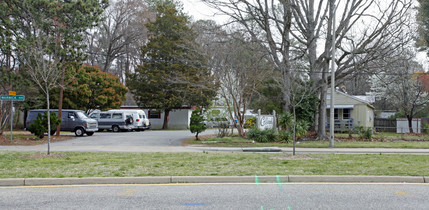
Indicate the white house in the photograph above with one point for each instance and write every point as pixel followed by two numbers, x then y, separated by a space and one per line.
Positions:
pixel 351 110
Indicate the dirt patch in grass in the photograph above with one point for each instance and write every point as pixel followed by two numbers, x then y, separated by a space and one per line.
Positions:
pixel 200 137
pixel 293 157
pixel 44 155
pixel 30 140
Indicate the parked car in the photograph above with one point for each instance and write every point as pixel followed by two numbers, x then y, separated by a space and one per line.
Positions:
pixel 71 120
pixel 141 122
pixel 114 120
pixel 217 122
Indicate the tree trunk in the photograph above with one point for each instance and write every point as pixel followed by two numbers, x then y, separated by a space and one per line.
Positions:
pixel 166 118
pixel 321 131
pixel 410 123
pixel 49 120
pixel 60 101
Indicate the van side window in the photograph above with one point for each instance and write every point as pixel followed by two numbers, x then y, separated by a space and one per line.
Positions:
pixel 71 114
pixel 94 115
pixel 105 116
pixel 117 116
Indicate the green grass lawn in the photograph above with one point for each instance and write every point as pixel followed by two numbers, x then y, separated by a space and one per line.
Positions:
pixel 103 164
pixel 380 140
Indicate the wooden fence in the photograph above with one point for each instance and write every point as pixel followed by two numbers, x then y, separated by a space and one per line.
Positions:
pixel 385 125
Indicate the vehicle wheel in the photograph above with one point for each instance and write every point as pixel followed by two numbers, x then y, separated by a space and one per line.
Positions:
pixel 79 132
pixel 89 133
pixel 115 128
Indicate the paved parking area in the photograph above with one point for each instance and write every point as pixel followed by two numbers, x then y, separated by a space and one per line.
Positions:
pixel 146 138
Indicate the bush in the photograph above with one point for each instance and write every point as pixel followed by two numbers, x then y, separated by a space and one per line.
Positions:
pixel 301 128
pixel 40 126
pixel 426 129
pixel 197 122
pixel 222 130
pixel 262 136
pixel 285 120
pixel 284 136
pixel 250 122
pixel 364 133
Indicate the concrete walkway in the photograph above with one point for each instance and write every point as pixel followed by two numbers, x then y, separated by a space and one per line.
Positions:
pixel 211 179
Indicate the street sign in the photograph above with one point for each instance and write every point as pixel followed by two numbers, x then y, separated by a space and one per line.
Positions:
pixel 12 93
pixel 12 98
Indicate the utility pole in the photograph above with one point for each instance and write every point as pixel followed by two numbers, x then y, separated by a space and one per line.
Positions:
pixel 331 116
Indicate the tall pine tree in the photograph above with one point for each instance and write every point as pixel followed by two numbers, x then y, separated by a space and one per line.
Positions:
pixel 174 74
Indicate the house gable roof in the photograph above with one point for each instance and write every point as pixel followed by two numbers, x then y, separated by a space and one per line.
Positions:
pixel 359 99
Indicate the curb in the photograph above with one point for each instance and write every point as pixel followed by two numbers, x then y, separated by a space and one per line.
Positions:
pixel 211 179
pixel 264 149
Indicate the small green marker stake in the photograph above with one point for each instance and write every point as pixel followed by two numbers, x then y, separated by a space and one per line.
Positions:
pixel 279 183
pixel 257 181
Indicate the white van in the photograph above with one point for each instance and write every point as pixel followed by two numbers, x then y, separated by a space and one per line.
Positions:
pixel 141 122
pixel 114 120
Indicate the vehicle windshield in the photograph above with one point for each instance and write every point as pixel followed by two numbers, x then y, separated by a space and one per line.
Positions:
pixel 82 115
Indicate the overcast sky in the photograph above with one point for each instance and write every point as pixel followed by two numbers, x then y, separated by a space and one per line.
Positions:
pixel 199 11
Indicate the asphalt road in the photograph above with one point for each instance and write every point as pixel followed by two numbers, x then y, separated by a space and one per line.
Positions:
pixel 219 196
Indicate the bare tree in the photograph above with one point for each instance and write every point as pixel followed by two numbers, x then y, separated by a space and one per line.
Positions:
pixel 367 31
pixel 44 70
pixel 400 85
pixel 239 66
pixel 268 23
pixel 115 44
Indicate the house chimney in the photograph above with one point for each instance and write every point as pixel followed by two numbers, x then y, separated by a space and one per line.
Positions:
pixel 343 88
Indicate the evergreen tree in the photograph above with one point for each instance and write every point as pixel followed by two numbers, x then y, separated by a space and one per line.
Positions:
pixel 173 74
pixel 423 20
pixel 197 122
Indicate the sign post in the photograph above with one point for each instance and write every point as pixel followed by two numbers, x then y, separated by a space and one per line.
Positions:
pixel 12 97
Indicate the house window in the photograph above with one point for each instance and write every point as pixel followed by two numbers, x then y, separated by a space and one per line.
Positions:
pixel 346 114
pixel 328 114
pixel 154 114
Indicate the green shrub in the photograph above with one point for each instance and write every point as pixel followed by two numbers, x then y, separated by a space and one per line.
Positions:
pixel 262 136
pixel 426 129
pixel 250 122
pixel 364 133
pixel 285 120
pixel 37 127
pixel 301 128
pixel 40 126
pixel 197 122
pixel 284 136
